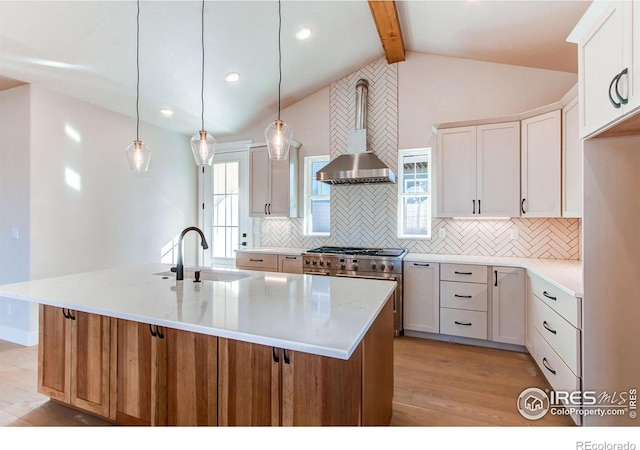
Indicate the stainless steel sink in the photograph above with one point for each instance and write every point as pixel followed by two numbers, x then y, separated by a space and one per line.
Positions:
pixel 225 276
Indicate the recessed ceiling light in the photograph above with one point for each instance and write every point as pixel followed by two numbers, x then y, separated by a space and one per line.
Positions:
pixel 232 76
pixel 166 112
pixel 303 33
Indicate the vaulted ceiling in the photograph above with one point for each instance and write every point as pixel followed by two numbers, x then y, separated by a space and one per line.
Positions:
pixel 87 49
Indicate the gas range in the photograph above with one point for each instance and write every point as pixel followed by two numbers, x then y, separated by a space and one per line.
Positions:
pixel 359 262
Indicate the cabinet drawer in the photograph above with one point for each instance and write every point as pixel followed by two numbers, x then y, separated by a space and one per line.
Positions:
pixel 560 301
pixel 563 337
pixel 460 322
pixel 257 261
pixel 469 273
pixel 560 377
pixel 472 296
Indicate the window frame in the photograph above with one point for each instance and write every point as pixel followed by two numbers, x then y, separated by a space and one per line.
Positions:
pixel 402 195
pixel 308 197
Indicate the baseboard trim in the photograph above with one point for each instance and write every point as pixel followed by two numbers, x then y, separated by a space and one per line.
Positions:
pixel 465 340
pixel 17 336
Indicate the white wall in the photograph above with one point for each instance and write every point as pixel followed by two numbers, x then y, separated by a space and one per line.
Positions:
pixel 14 208
pixel 114 218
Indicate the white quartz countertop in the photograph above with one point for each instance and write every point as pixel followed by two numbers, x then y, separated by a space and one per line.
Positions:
pixel 325 316
pixel 564 273
pixel 274 250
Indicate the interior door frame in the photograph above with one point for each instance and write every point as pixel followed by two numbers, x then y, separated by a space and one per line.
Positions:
pixel 205 192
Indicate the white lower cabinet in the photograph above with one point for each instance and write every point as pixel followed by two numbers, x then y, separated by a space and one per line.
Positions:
pixel 421 296
pixel 508 305
pixel 465 323
pixel 463 300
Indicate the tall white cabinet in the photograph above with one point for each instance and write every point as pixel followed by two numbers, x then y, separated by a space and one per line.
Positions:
pixel 479 174
pixel 571 161
pixel 540 173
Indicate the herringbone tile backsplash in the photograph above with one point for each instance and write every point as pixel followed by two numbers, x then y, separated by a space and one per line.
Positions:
pixel 365 215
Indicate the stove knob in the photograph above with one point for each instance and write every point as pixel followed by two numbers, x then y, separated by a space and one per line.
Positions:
pixel 381 266
pixel 355 266
pixel 315 262
pixel 391 266
pixel 307 262
pixel 321 262
pixel 343 266
pixel 328 263
pixel 373 265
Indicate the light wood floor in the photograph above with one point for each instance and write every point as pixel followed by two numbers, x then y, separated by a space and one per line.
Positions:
pixel 436 384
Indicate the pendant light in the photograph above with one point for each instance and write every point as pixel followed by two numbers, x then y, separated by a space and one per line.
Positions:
pixel 203 145
pixel 278 134
pixel 138 153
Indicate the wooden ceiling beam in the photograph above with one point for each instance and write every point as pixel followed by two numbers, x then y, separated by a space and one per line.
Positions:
pixel 385 16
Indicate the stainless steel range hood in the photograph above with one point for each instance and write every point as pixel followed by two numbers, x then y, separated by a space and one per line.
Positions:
pixel 359 165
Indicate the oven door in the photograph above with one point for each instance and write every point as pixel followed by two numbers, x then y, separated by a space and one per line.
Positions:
pixel 321 272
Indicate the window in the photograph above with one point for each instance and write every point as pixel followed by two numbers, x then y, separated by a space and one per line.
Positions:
pixel 414 193
pixel 316 198
pixel 226 215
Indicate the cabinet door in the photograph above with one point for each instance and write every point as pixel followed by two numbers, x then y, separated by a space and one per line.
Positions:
pixel 290 264
pixel 456 172
pixel 540 174
pixel 321 391
pixel 498 171
pixel 187 364
pixel 601 56
pixel 91 338
pixel 54 354
pixel 421 296
pixel 571 162
pixel 279 187
pixel 508 305
pixel 529 315
pixel 259 194
pixel 132 374
pixel 249 377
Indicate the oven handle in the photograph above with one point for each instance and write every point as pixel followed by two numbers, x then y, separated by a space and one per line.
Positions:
pixel 324 274
pixel 373 277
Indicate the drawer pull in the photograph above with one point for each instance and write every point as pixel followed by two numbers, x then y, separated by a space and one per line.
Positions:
pixel 421 265
pixel 290 257
pixel 546 294
pixel 463 273
pixel 462 296
pixel 546 326
pixel 256 260
pixel 545 363
pixel 466 324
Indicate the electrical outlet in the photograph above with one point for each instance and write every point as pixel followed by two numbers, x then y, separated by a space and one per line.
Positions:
pixel 442 233
pixel 514 233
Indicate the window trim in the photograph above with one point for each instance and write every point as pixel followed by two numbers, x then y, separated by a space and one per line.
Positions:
pixel 401 182
pixel 307 222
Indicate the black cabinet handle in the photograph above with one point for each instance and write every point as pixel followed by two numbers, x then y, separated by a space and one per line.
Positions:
pixel 462 273
pixel 546 326
pixel 522 206
pixel 479 207
pixel 623 100
pixel 615 80
pixel 462 296
pixel 256 260
pixel 275 355
pixel 65 314
pixel 265 209
pixel 153 333
pixel 160 335
pixel 71 316
pixel 269 208
pixel 286 358
pixel 290 257
pixel 466 324
pixel 496 277
pixel 545 363
pixel 546 294
pixel 421 265
pixel 474 207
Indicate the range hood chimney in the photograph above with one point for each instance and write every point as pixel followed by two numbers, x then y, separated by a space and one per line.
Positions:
pixel 358 165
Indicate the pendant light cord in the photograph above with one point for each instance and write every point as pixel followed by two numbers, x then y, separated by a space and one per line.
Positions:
pixel 138 73
pixel 202 89
pixel 279 54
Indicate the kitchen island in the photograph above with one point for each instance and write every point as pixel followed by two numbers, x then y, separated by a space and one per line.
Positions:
pixel 136 346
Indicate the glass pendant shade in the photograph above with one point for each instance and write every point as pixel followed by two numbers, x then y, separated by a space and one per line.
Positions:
pixel 278 136
pixel 203 146
pixel 139 156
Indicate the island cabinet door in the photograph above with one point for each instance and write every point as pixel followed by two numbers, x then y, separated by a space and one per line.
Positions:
pixel 54 354
pixel 186 381
pixel 249 380
pixel 131 374
pixel 90 343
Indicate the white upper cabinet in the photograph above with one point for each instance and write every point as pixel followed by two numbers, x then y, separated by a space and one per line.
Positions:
pixel 540 173
pixel 478 171
pixel 273 185
pixel 608 68
pixel 571 161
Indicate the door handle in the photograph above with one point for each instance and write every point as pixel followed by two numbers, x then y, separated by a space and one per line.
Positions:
pixel 623 100
pixel 522 206
pixel 615 80
pixel 474 207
